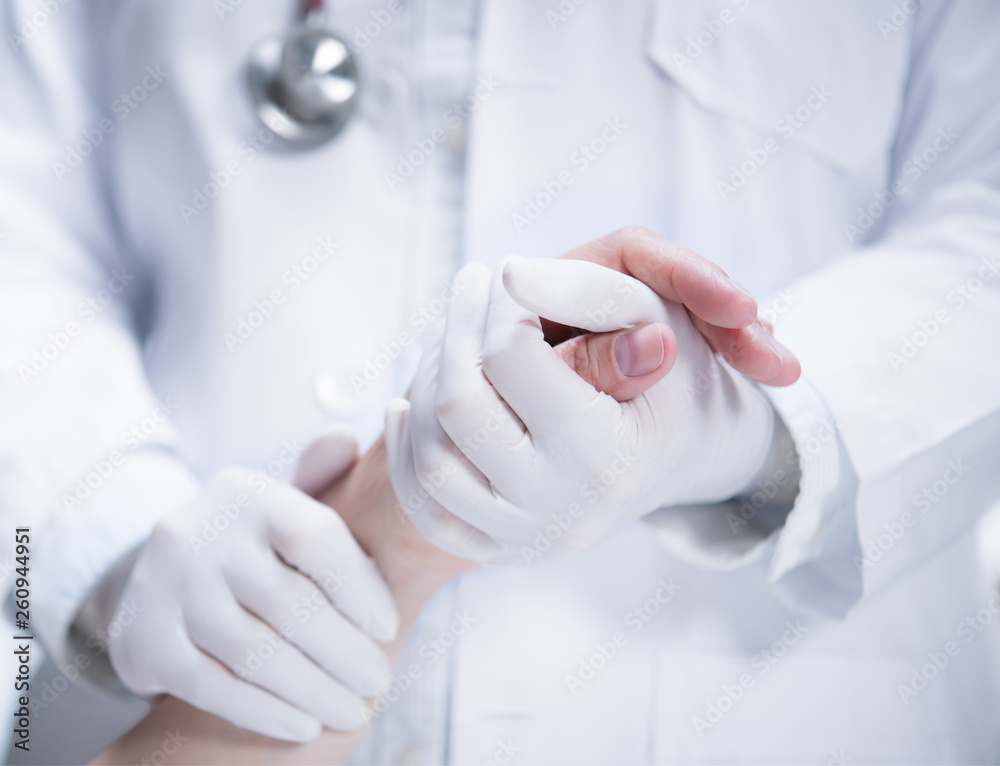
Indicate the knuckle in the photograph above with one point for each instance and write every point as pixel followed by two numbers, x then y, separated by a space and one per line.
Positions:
pixel 736 344
pixel 296 548
pixel 587 363
pixel 306 520
pixel 296 589
pixel 313 542
pixel 635 233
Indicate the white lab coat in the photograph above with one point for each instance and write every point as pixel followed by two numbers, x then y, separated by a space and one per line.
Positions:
pixel 765 136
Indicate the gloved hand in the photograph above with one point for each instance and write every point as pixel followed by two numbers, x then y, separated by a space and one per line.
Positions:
pixel 502 442
pixel 259 606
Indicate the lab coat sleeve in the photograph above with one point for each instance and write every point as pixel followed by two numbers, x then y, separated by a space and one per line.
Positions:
pixel 896 421
pixel 87 453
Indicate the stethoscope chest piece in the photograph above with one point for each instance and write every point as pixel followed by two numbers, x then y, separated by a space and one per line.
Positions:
pixel 304 85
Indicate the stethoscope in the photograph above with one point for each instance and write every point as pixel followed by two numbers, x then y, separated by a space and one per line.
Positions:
pixel 304 84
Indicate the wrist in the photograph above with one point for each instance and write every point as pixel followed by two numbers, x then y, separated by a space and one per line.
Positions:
pixel 411 565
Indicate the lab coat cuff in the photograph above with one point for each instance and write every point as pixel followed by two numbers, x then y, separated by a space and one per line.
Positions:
pixel 83 544
pixel 810 551
pixel 812 565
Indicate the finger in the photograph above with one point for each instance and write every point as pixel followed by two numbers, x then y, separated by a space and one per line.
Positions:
pixel 718 306
pixel 754 352
pixel 791 367
pixel 453 481
pixel 326 459
pixel 315 540
pixel 581 294
pixel 674 272
pixel 547 396
pixel 471 412
pixel 284 598
pixel 622 364
pixel 257 654
pixel 585 296
pixel 438 525
pixel 204 683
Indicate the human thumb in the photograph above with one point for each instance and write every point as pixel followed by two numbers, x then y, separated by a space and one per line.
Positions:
pixel 623 363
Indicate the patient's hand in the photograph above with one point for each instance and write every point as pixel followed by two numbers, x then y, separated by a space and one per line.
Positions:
pixel 501 440
pixel 413 567
pixel 414 570
pixel 722 311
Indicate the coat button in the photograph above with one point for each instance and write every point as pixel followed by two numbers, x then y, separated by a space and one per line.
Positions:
pixel 384 100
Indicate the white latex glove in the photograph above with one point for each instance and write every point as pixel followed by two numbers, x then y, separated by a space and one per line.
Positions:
pixel 508 441
pixel 272 623
pixel 326 459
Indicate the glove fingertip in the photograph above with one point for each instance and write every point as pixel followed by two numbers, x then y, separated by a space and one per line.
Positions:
pixel 302 728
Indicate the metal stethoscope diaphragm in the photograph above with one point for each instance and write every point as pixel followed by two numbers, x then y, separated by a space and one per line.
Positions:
pixel 305 83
